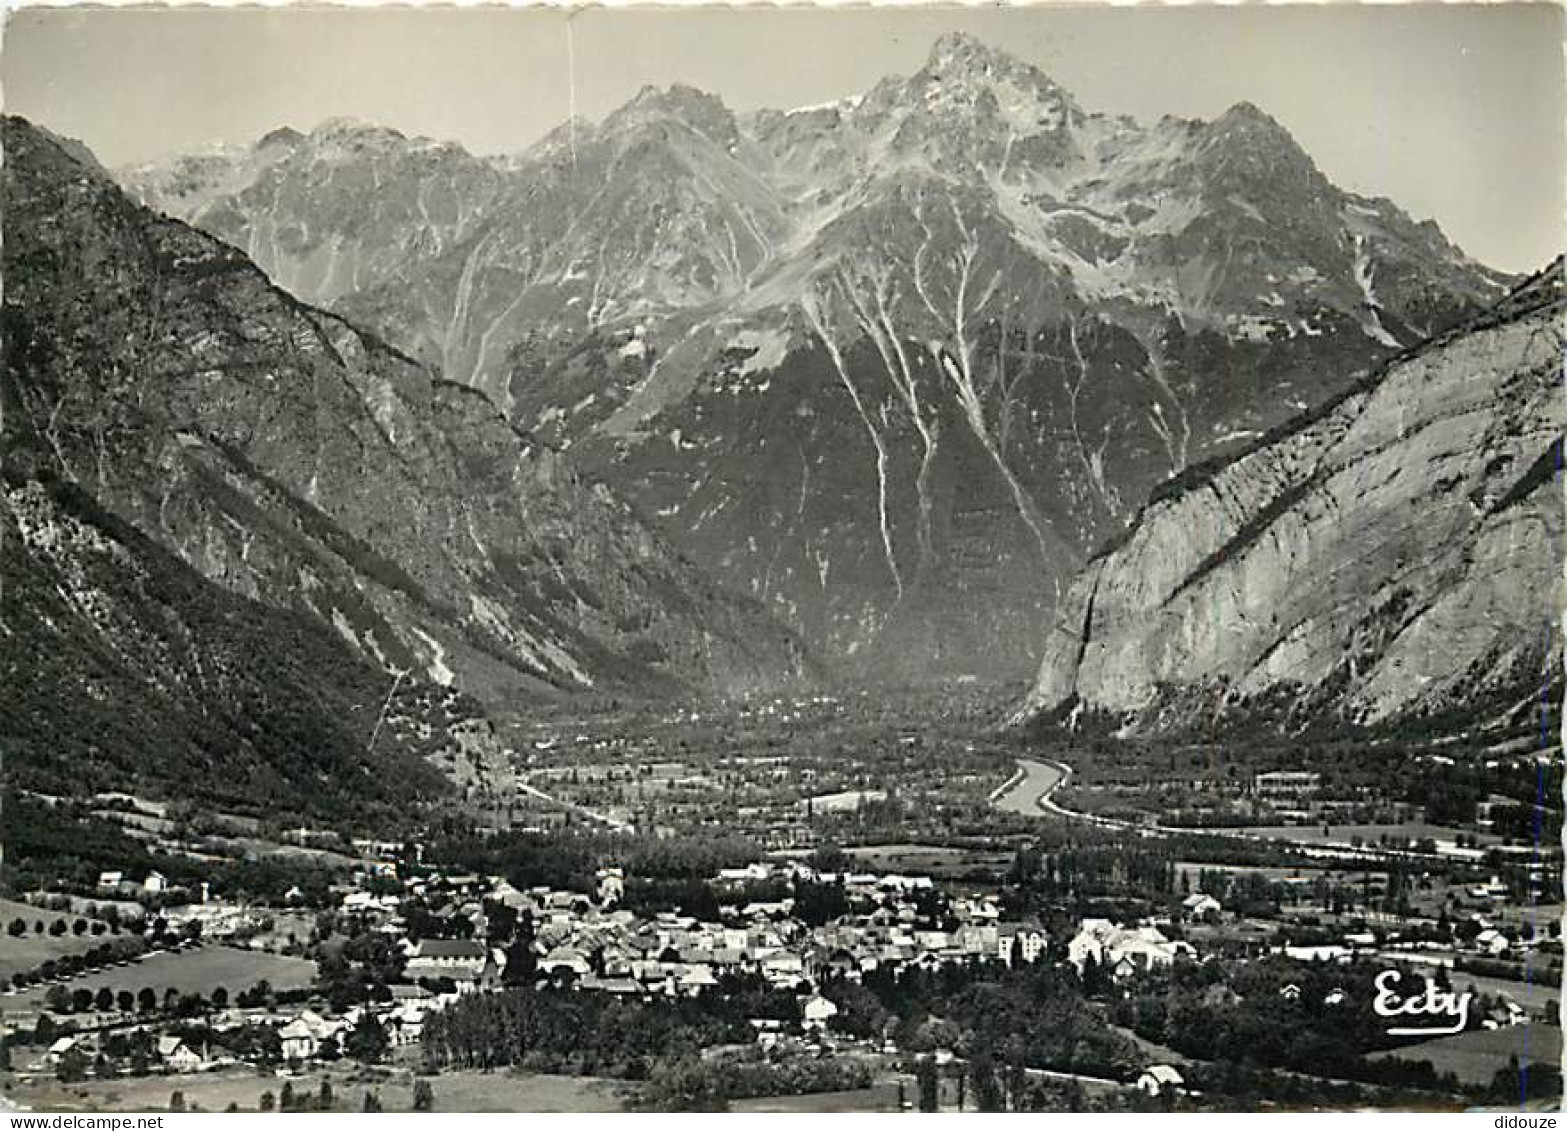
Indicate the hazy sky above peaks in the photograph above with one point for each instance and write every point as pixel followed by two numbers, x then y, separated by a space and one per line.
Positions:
pixel 1455 112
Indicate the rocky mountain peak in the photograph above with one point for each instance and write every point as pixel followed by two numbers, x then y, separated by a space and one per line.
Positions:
pixel 1246 123
pixel 347 138
pixel 960 51
pixel 284 137
pixel 1247 153
pixel 967 104
pixel 705 113
pixel 963 59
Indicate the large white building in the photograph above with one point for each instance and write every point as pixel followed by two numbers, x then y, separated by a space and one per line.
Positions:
pixel 1123 951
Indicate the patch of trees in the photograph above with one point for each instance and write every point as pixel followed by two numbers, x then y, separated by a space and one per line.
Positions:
pixel 990 1010
pixel 689 1082
pixel 570 861
pixel 548 1030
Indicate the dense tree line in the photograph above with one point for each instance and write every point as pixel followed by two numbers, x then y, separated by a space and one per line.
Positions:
pixel 689 1082
pixel 560 1031
pixel 569 861
pixel 1026 1016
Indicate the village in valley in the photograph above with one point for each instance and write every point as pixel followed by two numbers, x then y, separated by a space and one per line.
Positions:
pixel 861 937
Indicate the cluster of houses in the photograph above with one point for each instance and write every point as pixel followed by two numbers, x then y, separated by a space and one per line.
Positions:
pixel 115 885
pixel 593 944
pixel 303 1035
pixel 1123 952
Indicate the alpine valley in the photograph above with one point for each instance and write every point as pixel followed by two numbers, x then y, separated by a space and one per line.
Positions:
pixel 200 471
pixel 894 366
pixel 948 600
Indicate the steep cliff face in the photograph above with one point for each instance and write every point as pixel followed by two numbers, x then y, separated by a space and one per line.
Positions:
pixel 297 461
pixel 1396 555
pixel 891 366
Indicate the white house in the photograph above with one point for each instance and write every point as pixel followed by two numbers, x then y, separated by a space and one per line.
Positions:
pixel 1016 944
pixel 156 883
pixel 565 959
pixel 1123 950
pixel 784 969
pixel 611 885
pixel 1492 942
pixel 1200 906
pixel 818 1011
pixel 450 955
pixel 179 1056
pixel 1159 1079
pixel 299 1041
pixel 301 1038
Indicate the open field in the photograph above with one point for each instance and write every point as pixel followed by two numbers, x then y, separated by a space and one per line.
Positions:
pixel 454 1091
pixel 197 971
pixel 478 1091
pixel 1344 835
pixel 1277 873
pixel 878 1097
pixel 928 859
pixel 1540 916
pixel 1476 1056
pixel 1531 995
pixel 32 949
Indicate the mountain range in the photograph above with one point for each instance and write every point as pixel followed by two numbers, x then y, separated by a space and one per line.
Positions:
pixel 892 367
pixel 255 533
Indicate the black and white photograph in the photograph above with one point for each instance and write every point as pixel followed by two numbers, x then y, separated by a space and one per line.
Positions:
pixel 818 559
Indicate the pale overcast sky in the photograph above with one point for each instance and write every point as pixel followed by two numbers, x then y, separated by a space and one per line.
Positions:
pixel 1454 112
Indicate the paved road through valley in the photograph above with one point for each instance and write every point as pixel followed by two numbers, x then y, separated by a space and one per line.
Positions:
pixel 1031 791
pixel 1028 792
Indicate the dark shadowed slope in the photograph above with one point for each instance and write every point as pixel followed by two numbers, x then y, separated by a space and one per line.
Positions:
pixel 297 461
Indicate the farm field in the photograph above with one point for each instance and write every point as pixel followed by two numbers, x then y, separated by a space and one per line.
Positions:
pixel 1531 995
pixel 454 1091
pixel 32 949
pixel 878 1097
pixel 500 1091
pixel 930 859
pixel 1476 1056
pixel 198 971
pixel 1368 834
pixel 1192 871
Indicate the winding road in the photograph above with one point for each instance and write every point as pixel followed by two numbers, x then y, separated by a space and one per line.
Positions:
pixel 1032 787
pixel 1028 790
pixel 1031 791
